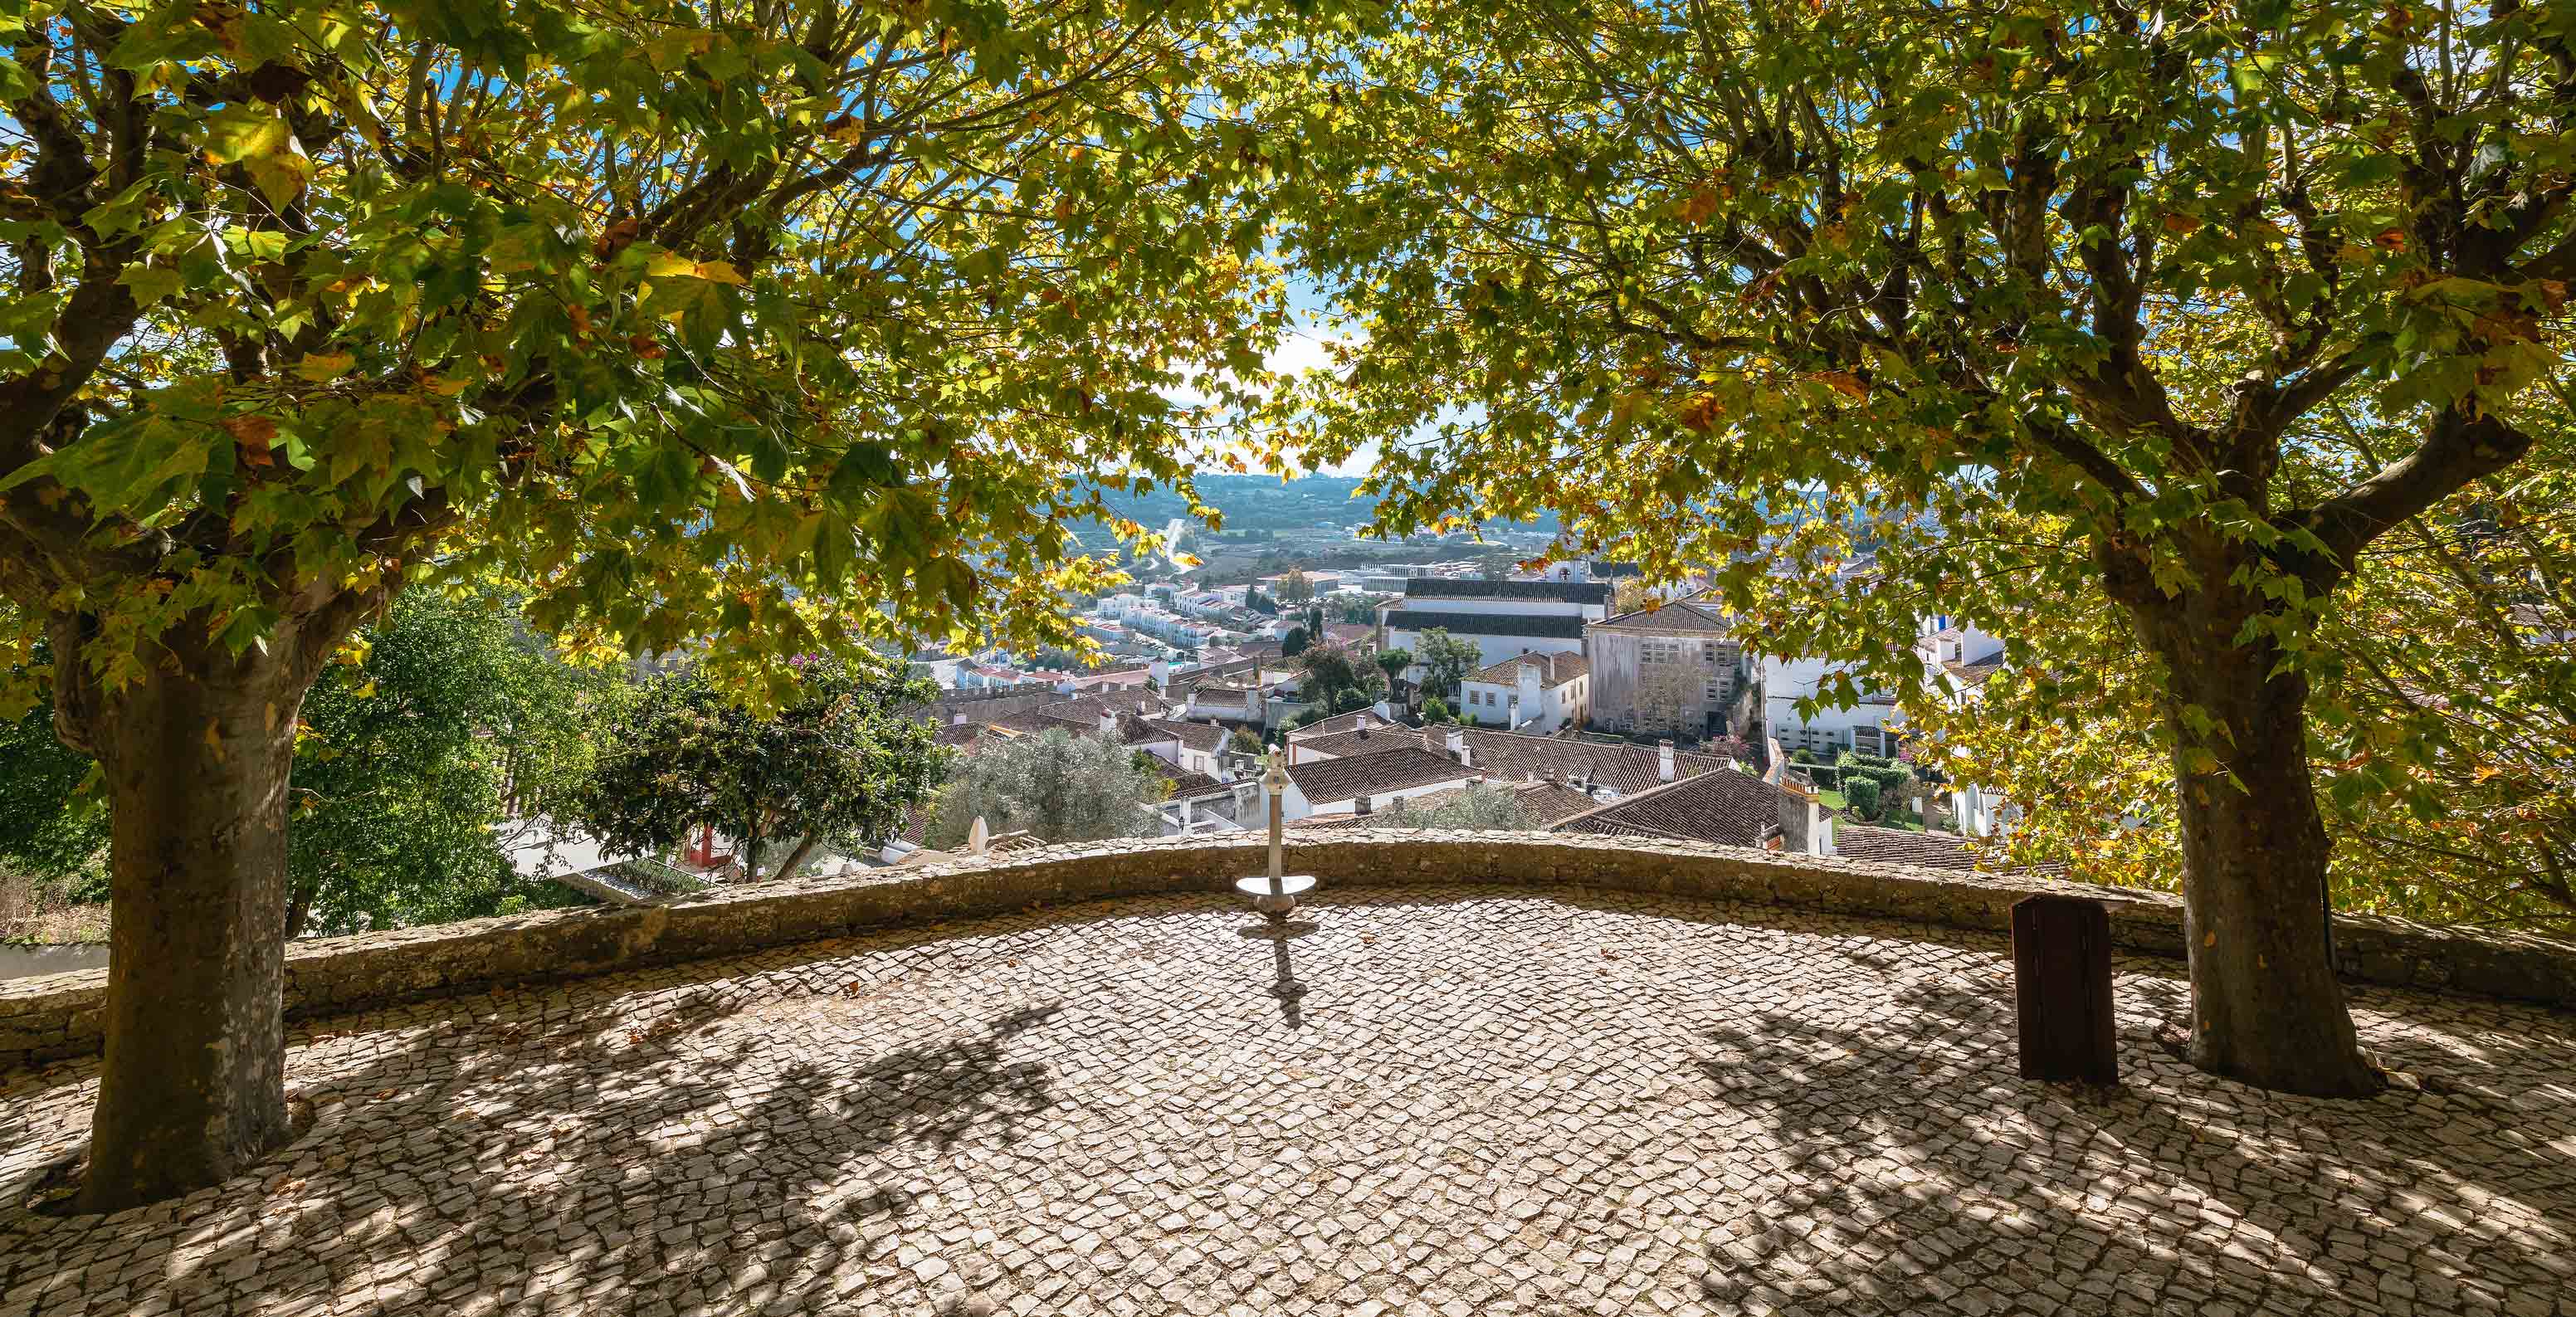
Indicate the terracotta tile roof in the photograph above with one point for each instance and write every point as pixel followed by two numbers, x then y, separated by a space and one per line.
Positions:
pixel 1549 803
pixel 1348 722
pixel 1977 673
pixel 1551 626
pixel 1729 808
pixel 1937 850
pixel 1197 736
pixel 1545 803
pixel 1133 730
pixel 1184 682
pixel 1366 775
pixel 1090 707
pixel 1554 670
pixel 1033 722
pixel 1515 756
pixel 1679 615
pixel 1187 785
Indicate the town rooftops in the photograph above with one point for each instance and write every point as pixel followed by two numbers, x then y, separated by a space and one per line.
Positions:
pixel 1366 775
pixel 1674 615
pixel 1553 626
pixel 1729 808
pixel 1518 756
pixel 1197 736
pixel 1345 722
pixel 1936 850
pixel 1977 673
pixel 1554 670
pixel 1543 803
pixel 1083 714
pixel 1562 592
pixel 1187 785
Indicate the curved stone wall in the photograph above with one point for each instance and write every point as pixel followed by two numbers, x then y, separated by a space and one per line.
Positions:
pixel 59 1015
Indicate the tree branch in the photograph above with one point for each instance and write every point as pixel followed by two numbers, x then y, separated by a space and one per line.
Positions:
pixel 2458 449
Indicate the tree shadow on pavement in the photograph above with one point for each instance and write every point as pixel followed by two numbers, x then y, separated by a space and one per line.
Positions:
pixel 1915 1171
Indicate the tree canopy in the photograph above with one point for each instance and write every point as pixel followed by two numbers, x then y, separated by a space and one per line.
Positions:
pixel 1481 805
pixel 757 331
pixel 1295 589
pixel 1446 661
pixel 839 764
pixel 2040 317
pixel 1055 786
pixel 408 759
pixel 694 322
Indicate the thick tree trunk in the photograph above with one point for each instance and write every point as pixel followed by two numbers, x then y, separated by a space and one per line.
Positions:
pixel 196 756
pixel 2266 1008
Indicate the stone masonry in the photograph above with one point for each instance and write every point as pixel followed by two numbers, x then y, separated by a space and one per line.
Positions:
pixel 1490 1101
pixel 59 1015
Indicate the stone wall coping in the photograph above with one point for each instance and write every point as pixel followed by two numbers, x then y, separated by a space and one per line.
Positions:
pixel 52 1016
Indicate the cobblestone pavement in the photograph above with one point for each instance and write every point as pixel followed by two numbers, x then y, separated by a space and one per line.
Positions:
pixel 1489 1104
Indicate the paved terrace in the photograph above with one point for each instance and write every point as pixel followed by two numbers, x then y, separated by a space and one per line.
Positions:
pixel 1492 1102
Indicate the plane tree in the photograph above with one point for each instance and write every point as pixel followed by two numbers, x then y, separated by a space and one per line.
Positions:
pixel 751 330
pixel 1874 309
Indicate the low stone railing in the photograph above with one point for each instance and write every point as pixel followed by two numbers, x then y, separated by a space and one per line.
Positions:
pixel 59 1015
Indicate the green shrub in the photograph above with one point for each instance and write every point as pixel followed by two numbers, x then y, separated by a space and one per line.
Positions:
pixel 1862 792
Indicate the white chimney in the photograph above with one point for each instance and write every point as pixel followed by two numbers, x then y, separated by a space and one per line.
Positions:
pixel 1431 738
pixel 1664 761
pixel 1458 745
pixel 1363 723
pixel 1108 723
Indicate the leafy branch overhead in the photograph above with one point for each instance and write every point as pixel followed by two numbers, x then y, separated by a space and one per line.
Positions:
pixel 2050 318
pixel 1846 264
pixel 728 323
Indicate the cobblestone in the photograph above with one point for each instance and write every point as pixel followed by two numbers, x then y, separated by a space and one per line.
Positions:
pixel 1488 1104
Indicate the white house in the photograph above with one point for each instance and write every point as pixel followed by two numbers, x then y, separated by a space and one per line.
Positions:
pixel 1504 619
pixel 1366 783
pixel 1865 727
pixel 1957 656
pixel 1537 693
pixel 1194 747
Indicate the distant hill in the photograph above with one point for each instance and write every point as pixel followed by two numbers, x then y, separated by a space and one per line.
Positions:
pixel 1256 503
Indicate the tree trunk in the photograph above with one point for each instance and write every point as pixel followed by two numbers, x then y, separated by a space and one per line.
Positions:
pixel 195 755
pixel 795 861
pixel 2266 1008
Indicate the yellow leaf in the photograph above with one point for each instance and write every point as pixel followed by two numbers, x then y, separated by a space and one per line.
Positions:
pixel 321 366
pixel 720 272
pixel 1846 383
pixel 665 265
